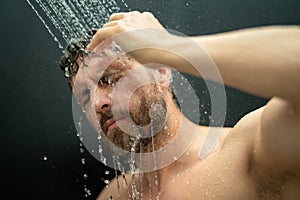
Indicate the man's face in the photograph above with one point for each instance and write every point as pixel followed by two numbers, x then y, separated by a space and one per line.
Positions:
pixel 117 94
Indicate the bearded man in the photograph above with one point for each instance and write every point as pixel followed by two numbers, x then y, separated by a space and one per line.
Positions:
pixel 258 158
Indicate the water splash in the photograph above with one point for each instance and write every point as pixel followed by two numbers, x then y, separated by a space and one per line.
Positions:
pixel 123 173
pixel 116 175
pixel 134 193
pixel 156 182
pixel 60 46
pixel 125 4
pixel 100 148
pixel 79 130
pixel 69 19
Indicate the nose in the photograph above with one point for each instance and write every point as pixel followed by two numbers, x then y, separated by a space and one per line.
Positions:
pixel 102 101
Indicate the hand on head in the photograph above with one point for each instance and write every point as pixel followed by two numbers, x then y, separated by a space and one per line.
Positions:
pixel 132 31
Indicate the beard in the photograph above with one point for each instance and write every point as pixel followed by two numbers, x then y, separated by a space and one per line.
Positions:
pixel 148 107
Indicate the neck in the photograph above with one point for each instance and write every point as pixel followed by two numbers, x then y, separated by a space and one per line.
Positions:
pixel 172 149
pixel 154 181
pixel 184 141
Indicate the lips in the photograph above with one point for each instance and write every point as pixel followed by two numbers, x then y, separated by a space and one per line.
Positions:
pixel 108 124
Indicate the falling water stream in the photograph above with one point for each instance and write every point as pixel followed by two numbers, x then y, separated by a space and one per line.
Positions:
pixel 134 192
pixel 69 19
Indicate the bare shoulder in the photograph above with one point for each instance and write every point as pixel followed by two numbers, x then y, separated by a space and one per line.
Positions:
pixel 116 189
pixel 109 192
pixel 277 143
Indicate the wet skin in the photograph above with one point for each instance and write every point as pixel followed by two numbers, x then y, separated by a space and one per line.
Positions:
pixel 258 158
pixel 228 172
pixel 94 86
pixel 233 170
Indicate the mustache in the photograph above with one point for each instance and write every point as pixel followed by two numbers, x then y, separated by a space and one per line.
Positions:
pixel 105 115
pixel 108 114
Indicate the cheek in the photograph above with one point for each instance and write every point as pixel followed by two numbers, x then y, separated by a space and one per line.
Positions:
pixel 137 99
pixel 139 106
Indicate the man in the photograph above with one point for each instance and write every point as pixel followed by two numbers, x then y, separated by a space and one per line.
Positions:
pixel 256 159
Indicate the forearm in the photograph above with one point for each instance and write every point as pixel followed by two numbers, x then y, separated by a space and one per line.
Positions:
pixel 262 61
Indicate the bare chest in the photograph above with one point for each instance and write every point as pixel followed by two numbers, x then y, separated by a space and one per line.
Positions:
pixel 216 178
pixel 227 174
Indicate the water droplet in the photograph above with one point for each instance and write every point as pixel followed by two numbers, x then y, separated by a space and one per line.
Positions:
pixel 106 172
pixel 66 18
pixel 80 124
pixel 85 176
pixel 67 73
pixel 106 182
pixel 45 158
pixel 87 192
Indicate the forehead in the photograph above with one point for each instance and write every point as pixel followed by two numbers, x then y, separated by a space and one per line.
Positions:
pixel 105 59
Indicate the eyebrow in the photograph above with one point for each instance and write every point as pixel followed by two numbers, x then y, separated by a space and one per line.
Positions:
pixel 115 74
pixel 108 74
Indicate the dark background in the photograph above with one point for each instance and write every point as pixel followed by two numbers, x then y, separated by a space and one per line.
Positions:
pixel 36 114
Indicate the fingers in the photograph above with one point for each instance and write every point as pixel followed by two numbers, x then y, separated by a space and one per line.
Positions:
pixel 119 22
pixel 148 14
pixel 110 24
pixel 101 35
pixel 122 15
pixel 106 31
pixel 116 16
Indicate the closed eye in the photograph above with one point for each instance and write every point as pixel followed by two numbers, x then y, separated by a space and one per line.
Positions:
pixel 110 80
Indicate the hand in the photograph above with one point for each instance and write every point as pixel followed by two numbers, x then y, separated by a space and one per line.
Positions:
pixel 137 33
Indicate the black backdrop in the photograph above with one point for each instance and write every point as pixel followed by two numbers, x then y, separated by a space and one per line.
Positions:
pixel 36 115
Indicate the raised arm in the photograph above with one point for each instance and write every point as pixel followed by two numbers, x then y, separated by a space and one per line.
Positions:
pixel 264 61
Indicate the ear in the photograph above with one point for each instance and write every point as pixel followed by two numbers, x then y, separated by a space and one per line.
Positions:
pixel 165 76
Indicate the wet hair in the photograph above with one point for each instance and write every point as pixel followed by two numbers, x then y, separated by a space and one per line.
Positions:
pixel 74 50
pixel 77 49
